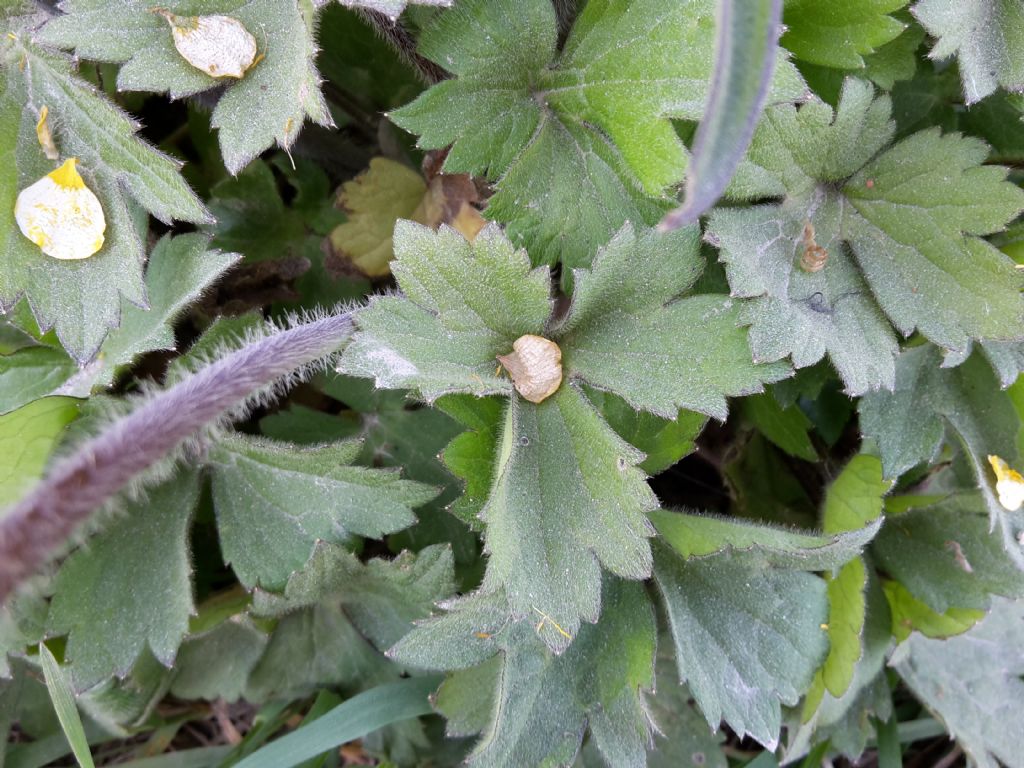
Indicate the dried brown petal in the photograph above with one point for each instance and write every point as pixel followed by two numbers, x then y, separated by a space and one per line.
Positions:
pixel 535 365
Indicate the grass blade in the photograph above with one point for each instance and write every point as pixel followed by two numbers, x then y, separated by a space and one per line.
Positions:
pixel 355 718
pixel 64 704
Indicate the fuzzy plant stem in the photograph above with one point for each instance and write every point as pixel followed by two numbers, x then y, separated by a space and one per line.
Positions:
pixel 38 525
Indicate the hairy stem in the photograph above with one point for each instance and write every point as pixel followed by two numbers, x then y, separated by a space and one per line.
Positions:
pixel 394 34
pixel 42 522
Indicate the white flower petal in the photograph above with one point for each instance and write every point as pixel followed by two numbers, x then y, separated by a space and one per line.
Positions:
pixel 61 215
pixel 1009 484
pixel 220 46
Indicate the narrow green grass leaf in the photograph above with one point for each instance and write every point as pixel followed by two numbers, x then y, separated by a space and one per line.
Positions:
pixel 64 704
pixel 357 717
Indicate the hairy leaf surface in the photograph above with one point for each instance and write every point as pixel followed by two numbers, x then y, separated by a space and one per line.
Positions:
pixel 898 228
pixel 275 501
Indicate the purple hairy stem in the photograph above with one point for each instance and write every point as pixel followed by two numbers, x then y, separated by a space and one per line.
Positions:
pixel 38 525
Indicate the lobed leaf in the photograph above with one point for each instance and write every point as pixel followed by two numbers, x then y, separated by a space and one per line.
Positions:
pixel 542 702
pixel 267 105
pixel 109 627
pixel 973 683
pixel 987 38
pixel 896 239
pixel 579 139
pixel 274 502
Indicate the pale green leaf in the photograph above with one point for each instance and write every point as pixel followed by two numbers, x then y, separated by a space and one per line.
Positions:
pixel 384 193
pixel 748 636
pixel 865 239
pixel 701 536
pixel 274 501
pixel 179 271
pixel 909 424
pixel 987 36
pixel 216 664
pixel 581 133
pixel 267 105
pixel 382 598
pixel 909 614
pixel 973 684
pixel 27 438
pixel 80 299
pixel 566 500
pixel 629 332
pixel 854 498
pixel 839 34
pixel 846 719
pixel 108 625
pixel 466 304
pixel 683 737
pixel 391 8
pixel 31 373
pixel 946 556
pixel 543 702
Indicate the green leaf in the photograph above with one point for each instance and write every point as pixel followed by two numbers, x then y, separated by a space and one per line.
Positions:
pixel 27 438
pixel 360 715
pixel 664 441
pixel 946 556
pixel 80 299
pixel 382 598
pixel 846 719
pixel 986 37
pixel 109 625
pixel 973 684
pixel 580 135
pixel 788 428
pixel 275 501
pixel 746 49
pixel 854 498
pixel 909 614
pixel 180 270
pixel 64 703
pixel 839 35
pixel 466 304
pixel 267 105
pixel 628 331
pixel 909 424
pixel 748 636
pixel 566 499
pixel 701 536
pixel 391 8
pixel 682 737
pixel 898 233
pixel 472 455
pixel 543 702
pixel 252 219
pixel 31 373
pixel 312 648
pixel 216 664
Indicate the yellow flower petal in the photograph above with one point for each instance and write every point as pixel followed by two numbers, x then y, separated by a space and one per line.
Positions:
pixel 61 215
pixel 45 136
pixel 1009 484
pixel 220 46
